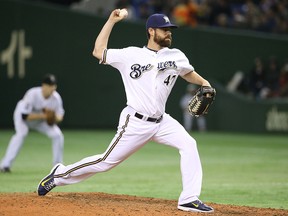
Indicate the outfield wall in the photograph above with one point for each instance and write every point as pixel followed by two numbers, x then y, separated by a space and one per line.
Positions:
pixel 37 39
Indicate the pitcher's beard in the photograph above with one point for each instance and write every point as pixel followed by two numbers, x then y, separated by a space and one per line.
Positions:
pixel 163 42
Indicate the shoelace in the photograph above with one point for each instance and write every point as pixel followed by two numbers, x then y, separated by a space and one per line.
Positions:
pixel 198 104
pixel 199 202
pixel 49 185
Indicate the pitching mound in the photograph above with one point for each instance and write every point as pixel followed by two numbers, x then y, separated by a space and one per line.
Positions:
pixel 88 204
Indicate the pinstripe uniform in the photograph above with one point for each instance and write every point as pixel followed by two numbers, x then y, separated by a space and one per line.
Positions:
pixel 148 78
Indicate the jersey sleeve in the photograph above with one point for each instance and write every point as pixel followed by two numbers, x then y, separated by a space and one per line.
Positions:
pixel 114 57
pixel 59 108
pixel 27 102
pixel 185 66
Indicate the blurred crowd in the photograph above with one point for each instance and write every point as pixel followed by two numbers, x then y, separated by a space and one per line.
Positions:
pixel 258 15
pixel 266 79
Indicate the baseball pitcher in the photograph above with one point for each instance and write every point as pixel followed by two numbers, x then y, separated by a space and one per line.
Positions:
pixel 149 74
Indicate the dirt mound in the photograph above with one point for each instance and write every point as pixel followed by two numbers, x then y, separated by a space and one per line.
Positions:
pixel 88 204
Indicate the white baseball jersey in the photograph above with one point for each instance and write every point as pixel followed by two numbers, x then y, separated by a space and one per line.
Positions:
pixel 33 101
pixel 159 69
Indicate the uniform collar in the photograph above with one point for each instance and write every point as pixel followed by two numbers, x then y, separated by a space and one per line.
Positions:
pixel 155 51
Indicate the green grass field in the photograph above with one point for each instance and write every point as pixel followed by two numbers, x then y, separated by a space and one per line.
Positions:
pixel 239 169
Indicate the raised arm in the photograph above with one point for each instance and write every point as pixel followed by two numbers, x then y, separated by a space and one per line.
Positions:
pixel 103 37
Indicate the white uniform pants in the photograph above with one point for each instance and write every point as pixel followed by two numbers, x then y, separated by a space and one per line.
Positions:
pixel 132 134
pixel 21 130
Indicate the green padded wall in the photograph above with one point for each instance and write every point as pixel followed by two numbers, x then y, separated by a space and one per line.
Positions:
pixel 37 39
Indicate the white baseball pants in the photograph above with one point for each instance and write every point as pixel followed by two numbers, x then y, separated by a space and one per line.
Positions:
pixel 132 134
pixel 21 130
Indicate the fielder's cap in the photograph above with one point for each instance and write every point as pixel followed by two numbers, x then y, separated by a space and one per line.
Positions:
pixel 159 21
pixel 49 79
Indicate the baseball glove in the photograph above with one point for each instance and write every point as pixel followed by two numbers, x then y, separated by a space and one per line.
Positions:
pixel 50 117
pixel 201 101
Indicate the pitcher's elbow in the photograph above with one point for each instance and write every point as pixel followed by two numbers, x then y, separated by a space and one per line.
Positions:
pixel 96 54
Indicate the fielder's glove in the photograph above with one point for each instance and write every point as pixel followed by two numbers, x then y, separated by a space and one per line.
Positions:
pixel 201 101
pixel 50 117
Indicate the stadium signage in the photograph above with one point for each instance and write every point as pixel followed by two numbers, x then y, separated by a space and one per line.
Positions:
pixel 276 120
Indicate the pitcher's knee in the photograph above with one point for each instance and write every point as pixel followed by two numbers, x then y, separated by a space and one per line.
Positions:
pixel 189 145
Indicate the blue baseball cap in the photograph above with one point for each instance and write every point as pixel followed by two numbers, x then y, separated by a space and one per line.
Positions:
pixel 159 21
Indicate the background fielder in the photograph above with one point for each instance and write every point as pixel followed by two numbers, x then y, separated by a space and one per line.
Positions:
pixel 30 114
pixel 148 74
pixel 189 119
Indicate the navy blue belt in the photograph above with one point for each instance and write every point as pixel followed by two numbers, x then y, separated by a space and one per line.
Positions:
pixel 156 120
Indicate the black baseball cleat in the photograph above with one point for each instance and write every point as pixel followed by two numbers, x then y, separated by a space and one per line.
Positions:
pixel 5 170
pixel 47 183
pixel 195 206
